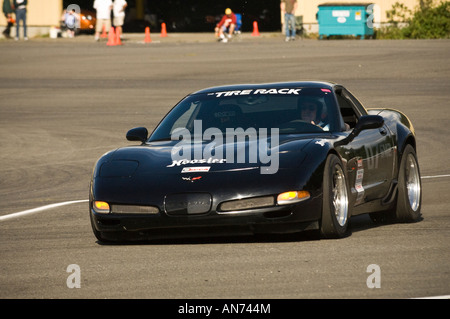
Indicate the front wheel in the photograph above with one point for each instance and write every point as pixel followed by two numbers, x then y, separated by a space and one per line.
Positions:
pixel 335 208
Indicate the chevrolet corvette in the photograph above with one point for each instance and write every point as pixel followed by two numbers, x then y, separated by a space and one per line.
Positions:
pixel 258 158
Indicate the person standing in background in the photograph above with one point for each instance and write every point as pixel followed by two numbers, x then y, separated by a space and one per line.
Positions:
pixel 288 8
pixel 226 26
pixel 8 11
pixel 21 15
pixel 119 15
pixel 103 8
pixel 70 19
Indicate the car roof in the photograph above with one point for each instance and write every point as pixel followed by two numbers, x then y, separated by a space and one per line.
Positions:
pixel 273 85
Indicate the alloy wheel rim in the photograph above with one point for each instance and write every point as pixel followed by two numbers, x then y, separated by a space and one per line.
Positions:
pixel 413 182
pixel 340 199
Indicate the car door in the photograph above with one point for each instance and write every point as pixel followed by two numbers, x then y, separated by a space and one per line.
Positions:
pixel 371 152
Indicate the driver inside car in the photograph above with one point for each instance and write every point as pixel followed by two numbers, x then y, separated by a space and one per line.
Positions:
pixel 311 112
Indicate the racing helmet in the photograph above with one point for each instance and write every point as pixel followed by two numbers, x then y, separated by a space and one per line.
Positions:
pixel 307 100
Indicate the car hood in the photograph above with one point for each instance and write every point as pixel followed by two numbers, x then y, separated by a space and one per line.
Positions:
pixel 137 169
pixel 171 157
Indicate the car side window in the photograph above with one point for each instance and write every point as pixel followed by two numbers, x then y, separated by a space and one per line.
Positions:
pixel 359 108
pixel 349 111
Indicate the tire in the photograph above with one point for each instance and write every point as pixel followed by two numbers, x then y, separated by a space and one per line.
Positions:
pixel 335 208
pixel 409 200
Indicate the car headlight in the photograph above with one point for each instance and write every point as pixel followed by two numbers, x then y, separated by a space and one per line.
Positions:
pixel 101 207
pixel 292 197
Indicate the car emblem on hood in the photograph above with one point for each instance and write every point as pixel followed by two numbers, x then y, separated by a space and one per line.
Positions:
pixel 191 179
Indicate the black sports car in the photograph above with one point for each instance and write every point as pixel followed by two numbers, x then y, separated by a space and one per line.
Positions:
pixel 258 158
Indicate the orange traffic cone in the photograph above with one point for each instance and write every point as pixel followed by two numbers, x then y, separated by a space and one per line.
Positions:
pixel 111 37
pixel 163 30
pixel 118 39
pixel 103 35
pixel 148 39
pixel 255 29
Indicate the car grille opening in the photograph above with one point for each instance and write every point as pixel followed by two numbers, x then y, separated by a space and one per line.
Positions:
pixel 248 203
pixel 278 214
pixel 108 222
pixel 133 209
pixel 187 204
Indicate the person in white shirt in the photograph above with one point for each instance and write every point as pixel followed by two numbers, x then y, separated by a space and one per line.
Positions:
pixel 103 8
pixel 119 15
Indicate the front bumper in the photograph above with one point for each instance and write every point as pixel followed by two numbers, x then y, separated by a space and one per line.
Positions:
pixel 271 220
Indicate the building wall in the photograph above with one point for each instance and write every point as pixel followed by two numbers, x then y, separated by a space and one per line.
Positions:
pixel 41 15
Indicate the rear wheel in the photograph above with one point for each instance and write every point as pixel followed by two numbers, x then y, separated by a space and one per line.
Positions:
pixel 409 201
pixel 335 209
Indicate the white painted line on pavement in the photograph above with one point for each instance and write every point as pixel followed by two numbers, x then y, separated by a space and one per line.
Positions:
pixel 435 176
pixel 40 209
pixel 435 297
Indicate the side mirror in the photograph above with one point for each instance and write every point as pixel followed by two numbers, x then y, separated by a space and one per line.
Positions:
pixel 365 122
pixel 137 134
pixel 368 122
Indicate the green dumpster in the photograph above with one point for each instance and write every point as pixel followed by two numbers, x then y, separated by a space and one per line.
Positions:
pixel 345 19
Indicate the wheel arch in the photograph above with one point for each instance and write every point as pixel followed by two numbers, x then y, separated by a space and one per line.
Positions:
pixel 408 139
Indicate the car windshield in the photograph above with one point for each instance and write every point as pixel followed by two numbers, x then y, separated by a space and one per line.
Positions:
pixel 290 110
